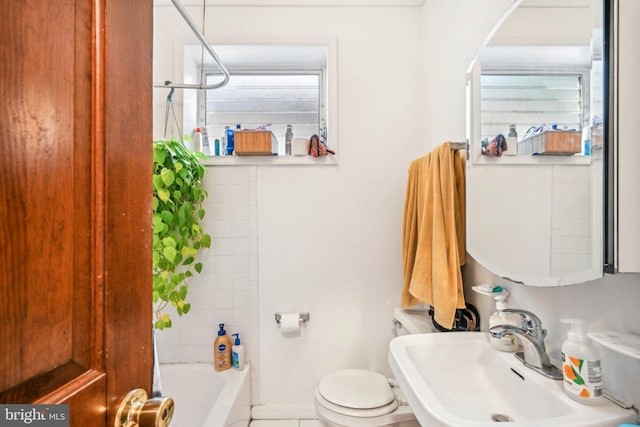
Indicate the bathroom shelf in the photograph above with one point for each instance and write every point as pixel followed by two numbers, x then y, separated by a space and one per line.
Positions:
pixel 269 160
pixel 626 344
pixel 575 160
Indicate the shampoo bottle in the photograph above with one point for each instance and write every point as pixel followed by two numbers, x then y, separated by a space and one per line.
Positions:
pixel 237 354
pixel 508 342
pixel 581 374
pixel 222 350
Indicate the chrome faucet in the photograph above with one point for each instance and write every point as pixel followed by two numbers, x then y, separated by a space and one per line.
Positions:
pixel 531 336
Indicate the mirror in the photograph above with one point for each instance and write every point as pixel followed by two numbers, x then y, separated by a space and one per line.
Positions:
pixel 534 210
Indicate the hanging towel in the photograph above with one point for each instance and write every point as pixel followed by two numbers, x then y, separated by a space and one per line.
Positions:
pixel 433 240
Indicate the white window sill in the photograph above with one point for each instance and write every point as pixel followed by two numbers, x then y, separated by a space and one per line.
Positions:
pixel 269 160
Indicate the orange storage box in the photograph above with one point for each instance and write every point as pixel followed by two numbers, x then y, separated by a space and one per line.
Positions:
pixel 255 143
pixel 552 142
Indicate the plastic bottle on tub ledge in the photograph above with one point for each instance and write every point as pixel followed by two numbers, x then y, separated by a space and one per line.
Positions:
pixel 222 350
pixel 237 354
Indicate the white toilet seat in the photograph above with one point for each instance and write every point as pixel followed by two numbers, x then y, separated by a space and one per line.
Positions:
pixel 359 390
pixel 356 393
pixel 365 390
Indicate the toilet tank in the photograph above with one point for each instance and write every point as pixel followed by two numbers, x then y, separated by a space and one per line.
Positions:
pixel 412 320
pixel 620 356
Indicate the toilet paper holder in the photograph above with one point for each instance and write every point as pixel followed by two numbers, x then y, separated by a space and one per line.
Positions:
pixel 304 317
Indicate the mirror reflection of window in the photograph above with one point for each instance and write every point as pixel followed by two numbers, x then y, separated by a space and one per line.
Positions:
pixel 530 100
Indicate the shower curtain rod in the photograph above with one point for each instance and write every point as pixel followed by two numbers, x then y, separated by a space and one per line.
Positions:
pixel 203 41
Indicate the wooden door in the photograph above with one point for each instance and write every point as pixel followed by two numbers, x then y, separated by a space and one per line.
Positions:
pixel 75 203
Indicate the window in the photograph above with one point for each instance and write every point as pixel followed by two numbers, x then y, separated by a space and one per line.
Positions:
pixel 531 99
pixel 271 83
pixel 258 97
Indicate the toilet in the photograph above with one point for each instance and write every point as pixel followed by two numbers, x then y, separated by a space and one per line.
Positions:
pixel 361 398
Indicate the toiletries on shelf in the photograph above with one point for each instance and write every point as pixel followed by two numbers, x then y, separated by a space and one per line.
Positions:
pixel 512 142
pixel 197 140
pixel 206 148
pixel 223 141
pixel 230 140
pixel 216 148
pixel 222 350
pixel 582 377
pixel 508 342
pixel 237 354
pixel 288 140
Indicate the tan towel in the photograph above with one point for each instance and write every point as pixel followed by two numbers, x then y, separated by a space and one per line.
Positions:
pixel 433 247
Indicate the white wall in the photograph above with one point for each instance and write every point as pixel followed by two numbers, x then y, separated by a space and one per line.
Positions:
pixel 328 238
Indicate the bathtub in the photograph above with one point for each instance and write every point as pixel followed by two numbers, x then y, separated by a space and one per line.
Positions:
pixel 205 397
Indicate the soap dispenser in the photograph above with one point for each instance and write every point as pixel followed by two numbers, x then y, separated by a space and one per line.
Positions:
pixel 222 350
pixel 508 342
pixel 581 374
pixel 237 354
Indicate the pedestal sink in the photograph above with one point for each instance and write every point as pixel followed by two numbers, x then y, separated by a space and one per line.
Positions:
pixel 458 380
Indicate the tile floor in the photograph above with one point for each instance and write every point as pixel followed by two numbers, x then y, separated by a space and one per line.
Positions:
pixel 285 423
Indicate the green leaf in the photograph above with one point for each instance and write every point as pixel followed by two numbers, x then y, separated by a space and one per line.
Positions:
pixel 159 154
pixel 163 194
pixel 170 253
pixel 157 182
pixel 198 267
pixel 167 176
pixel 578 379
pixel 169 241
pixel 189 251
pixel 182 293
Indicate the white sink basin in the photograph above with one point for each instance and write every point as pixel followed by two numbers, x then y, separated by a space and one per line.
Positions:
pixel 457 379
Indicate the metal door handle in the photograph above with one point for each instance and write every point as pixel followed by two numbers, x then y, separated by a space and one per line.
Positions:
pixel 137 410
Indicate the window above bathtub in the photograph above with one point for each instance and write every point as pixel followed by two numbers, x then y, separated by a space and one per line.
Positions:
pixel 272 83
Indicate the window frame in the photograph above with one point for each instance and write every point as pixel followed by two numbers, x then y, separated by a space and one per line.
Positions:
pixel 266 71
pixel 580 71
pixel 274 46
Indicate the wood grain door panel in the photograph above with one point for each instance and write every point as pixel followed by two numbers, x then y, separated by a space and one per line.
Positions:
pixel 75 203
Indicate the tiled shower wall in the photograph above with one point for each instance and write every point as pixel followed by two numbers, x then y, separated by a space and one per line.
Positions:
pixel 227 289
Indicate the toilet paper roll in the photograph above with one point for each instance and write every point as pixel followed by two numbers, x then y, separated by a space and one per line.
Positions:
pixel 290 322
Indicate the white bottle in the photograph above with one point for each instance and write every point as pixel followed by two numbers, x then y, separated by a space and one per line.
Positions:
pixel 581 373
pixel 508 342
pixel 197 141
pixel 512 142
pixel 237 354
pixel 288 138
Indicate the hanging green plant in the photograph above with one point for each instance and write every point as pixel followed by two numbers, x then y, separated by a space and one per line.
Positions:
pixel 178 194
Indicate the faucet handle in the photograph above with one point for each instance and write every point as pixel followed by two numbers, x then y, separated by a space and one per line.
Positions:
pixel 530 321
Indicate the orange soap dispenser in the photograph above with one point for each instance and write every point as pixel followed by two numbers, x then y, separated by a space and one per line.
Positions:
pixel 222 350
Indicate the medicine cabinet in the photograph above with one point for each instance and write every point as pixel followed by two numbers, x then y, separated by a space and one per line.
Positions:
pixel 538 219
